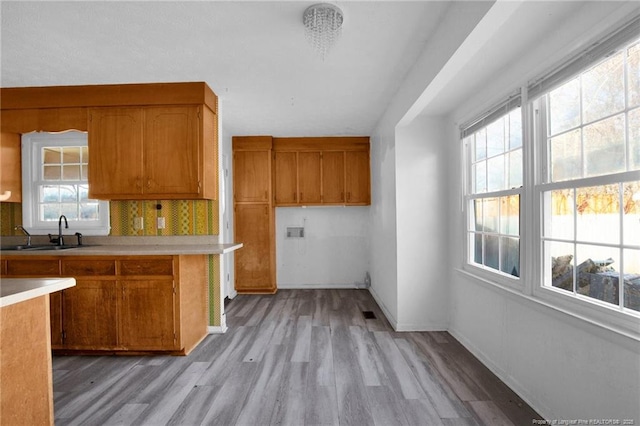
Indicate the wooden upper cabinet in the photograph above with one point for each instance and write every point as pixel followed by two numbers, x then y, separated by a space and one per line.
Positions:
pixel 357 178
pixel 10 171
pixel 309 178
pixel 333 177
pixel 251 176
pixel 151 153
pixel 172 151
pixel 115 152
pixel 285 166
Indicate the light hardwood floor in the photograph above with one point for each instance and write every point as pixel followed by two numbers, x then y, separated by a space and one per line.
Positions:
pixel 299 357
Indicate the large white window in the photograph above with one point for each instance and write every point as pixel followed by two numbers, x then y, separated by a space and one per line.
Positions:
pixel 494 187
pixel 590 184
pixel 552 192
pixel 54 175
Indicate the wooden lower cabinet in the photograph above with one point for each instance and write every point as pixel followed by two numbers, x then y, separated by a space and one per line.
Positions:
pixel 147 315
pixel 125 303
pixel 89 315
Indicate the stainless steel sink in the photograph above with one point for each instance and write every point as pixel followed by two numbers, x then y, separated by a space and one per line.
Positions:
pixel 36 247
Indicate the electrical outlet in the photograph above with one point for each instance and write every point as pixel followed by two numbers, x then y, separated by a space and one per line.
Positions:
pixel 161 223
pixel 138 223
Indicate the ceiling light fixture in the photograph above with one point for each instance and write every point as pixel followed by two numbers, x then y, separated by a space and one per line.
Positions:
pixel 322 26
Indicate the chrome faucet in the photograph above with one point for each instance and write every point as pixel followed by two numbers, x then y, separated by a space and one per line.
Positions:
pixel 24 231
pixel 60 240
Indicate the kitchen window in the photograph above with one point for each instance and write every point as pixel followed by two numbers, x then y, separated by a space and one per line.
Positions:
pixel 54 175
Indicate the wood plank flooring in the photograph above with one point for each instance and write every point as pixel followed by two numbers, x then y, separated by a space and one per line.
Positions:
pixel 299 357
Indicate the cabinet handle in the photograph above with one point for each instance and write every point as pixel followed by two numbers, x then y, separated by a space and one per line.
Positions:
pixel 148 183
pixel 348 196
pixel 139 182
pixel 266 195
pixel 301 196
pixel 295 197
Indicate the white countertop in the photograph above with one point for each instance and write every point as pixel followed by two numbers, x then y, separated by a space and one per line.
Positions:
pixel 15 290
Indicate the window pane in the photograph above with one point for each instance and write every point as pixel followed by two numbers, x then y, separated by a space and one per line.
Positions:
pixel 51 155
pixel 564 107
pixel 481 145
pixel 604 146
pixel 52 173
pixel 50 194
pixel 566 162
pixel 559 264
pixel 515 169
pixel 560 217
pixel 631 217
pixel 597 277
pixel 495 138
pixel 83 193
pixel 71 154
pixel 85 173
pixel 70 211
pixel 491 214
pixel 491 251
pixel 632 279
pixel 495 172
pixel 85 154
pixel 634 139
pixel 477 252
pixel 49 212
pixel 89 211
pixel 515 128
pixel 71 172
pixel 603 89
pixel 68 194
pixel 633 73
pixel 598 218
pixel 476 224
pixel 480 177
pixel 510 256
pixel 510 215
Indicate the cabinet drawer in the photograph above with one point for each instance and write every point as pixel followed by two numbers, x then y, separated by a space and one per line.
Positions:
pixel 146 267
pixel 88 267
pixel 41 268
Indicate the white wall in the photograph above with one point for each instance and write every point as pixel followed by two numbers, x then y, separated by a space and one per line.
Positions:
pixel 422 218
pixel 457 21
pixel 334 250
pixel 564 366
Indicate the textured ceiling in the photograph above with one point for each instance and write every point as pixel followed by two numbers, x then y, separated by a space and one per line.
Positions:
pixel 252 54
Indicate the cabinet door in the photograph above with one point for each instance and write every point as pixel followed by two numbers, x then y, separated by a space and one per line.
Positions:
pixel 333 177
pixel 115 151
pixel 147 314
pixel 286 178
pixel 89 315
pixel 10 170
pixel 251 176
pixel 171 151
pixel 309 178
pixel 253 261
pixel 357 177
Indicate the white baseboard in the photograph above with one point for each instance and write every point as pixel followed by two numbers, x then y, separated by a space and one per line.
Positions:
pixel 317 286
pixel 217 329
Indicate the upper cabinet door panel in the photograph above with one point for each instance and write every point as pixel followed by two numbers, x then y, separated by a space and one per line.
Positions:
pixel 309 187
pixel 251 176
pixel 333 177
pixel 115 147
pixel 172 151
pixel 357 179
pixel 286 178
pixel 11 172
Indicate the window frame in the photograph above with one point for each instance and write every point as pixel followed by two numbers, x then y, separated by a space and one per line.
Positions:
pixel 32 144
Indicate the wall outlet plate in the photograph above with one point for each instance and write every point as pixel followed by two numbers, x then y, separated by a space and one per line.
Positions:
pixel 161 223
pixel 138 223
pixel 295 232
